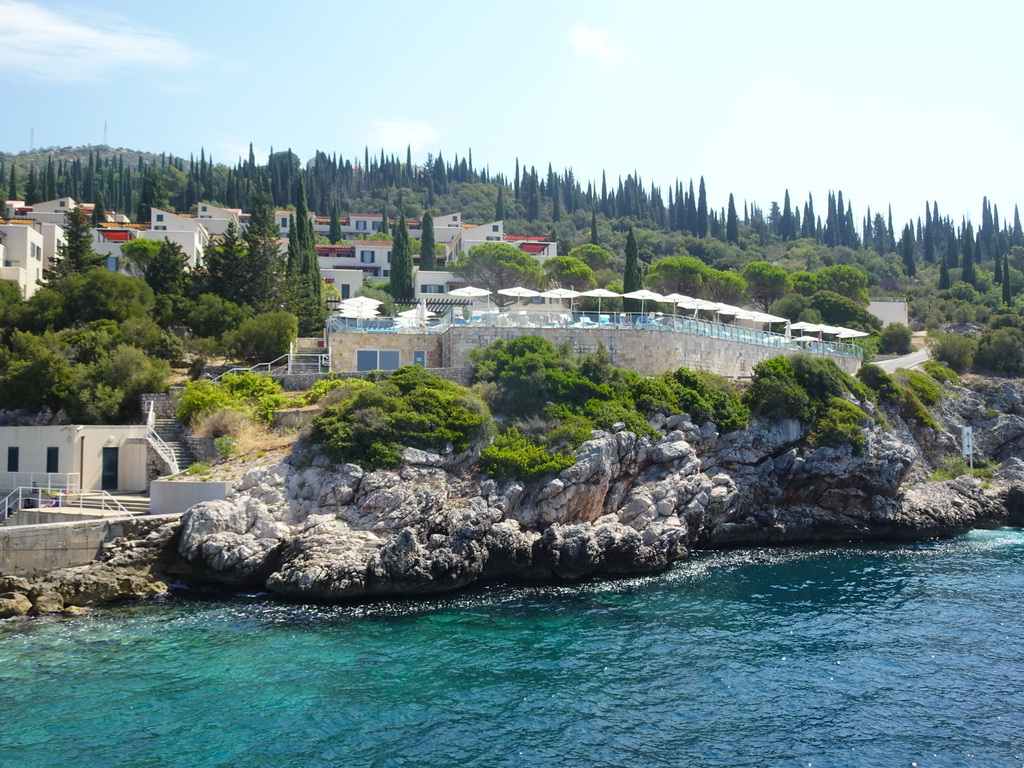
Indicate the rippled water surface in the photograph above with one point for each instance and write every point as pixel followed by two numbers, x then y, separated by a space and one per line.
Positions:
pixel 870 655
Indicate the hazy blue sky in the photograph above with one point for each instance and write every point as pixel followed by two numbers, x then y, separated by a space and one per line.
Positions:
pixel 897 101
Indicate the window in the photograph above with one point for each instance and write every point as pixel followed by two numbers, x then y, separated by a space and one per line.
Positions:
pixel 431 289
pixel 376 226
pixel 492 239
pixel 52 460
pixel 419 357
pixel 345 290
pixel 387 273
pixel 389 257
pixel 284 222
pixel 361 225
pixel 63 203
pixel 377 359
pixel 204 209
pixel 159 216
pixel 494 227
pixel 366 257
pixel 455 218
pixel 12 458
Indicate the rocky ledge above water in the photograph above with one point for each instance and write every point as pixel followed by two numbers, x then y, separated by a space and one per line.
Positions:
pixel 307 528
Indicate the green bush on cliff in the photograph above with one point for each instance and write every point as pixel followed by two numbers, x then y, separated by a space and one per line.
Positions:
pixel 841 423
pixel 922 385
pixel 774 392
pixel 708 397
pixel 253 394
pixel 941 373
pixel 372 424
pixel 880 383
pixel 513 455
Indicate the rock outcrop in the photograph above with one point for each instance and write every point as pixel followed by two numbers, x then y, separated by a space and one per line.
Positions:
pixel 312 529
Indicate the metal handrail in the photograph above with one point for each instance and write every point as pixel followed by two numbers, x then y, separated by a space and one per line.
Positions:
pixel 163 449
pixel 14 501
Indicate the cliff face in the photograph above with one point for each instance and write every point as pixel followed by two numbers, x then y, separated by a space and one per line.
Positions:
pixel 312 529
pixel 308 528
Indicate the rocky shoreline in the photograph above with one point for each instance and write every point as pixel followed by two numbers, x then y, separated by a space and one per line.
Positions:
pixel 309 529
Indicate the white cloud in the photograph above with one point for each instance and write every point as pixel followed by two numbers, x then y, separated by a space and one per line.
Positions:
pixel 596 43
pixel 44 46
pixel 398 134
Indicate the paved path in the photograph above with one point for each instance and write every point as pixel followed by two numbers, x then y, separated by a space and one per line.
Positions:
pixel 913 360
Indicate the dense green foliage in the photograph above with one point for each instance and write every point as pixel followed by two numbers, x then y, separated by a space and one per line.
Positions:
pixel 371 425
pixel 255 395
pixel 841 423
pixel 940 372
pixel 513 455
pixel 896 339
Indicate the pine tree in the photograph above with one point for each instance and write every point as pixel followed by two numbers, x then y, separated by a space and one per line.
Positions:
pixel 77 255
pixel 401 263
pixel 428 253
pixel 632 278
pixel 227 267
pixel 264 290
pixel 732 228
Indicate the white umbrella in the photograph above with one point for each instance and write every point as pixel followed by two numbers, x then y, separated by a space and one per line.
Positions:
pixel 849 333
pixel 471 292
pixel 356 300
pixel 644 295
pixel 519 292
pixel 600 293
pixel 562 293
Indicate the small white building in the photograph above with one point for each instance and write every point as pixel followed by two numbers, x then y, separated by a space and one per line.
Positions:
pixel 216 219
pixel 186 230
pixel 22 247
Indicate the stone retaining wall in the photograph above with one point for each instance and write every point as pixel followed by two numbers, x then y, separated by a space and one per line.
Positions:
pixel 42 548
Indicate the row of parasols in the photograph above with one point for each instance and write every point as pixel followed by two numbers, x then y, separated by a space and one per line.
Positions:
pixel 365 307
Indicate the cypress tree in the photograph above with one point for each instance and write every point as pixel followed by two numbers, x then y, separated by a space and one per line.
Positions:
pixel 384 230
pixel 31 187
pixel 401 263
pixel 702 211
pixel 997 272
pixel 943 275
pixel 265 269
pixel 732 228
pixel 929 235
pixel 428 254
pixel 226 267
pixel 98 214
pixel 12 187
pixel 499 206
pixel 788 226
pixel 967 269
pixel 907 250
pixel 334 235
pixel 593 227
pixel 1007 297
pixel 633 278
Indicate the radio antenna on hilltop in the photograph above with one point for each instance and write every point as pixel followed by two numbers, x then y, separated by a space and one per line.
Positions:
pixel 32 140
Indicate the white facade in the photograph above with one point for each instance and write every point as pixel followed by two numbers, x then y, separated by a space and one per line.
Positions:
pixel 216 219
pixel 54 242
pixel 28 454
pixel 23 263
pixel 187 231
pixel 52 211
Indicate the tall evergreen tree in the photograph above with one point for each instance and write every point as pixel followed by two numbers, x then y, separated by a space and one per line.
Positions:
pixel 401 263
pixel 428 253
pixel 929 235
pixel 593 228
pixel 943 275
pixel 632 278
pixel 788 225
pixel 384 228
pixel 967 266
pixel 98 214
pixel 499 206
pixel 997 271
pixel 907 251
pixel 1007 295
pixel 77 255
pixel 12 186
pixel 334 234
pixel 732 227
pixel 227 267
pixel 265 268
pixel 702 211
pixel 32 187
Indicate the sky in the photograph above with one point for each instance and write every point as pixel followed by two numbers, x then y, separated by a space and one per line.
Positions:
pixel 895 102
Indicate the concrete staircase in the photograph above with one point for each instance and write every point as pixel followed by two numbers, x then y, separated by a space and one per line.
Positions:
pixel 134 504
pixel 172 432
pixel 308 350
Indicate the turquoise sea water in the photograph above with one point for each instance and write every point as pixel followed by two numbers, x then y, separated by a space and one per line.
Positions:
pixel 866 655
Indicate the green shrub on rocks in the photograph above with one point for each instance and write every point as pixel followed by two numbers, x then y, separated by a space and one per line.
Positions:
pixel 513 455
pixel 941 373
pixel 922 385
pixel 880 383
pixel 774 392
pixel 841 423
pixel 256 395
pixel 374 423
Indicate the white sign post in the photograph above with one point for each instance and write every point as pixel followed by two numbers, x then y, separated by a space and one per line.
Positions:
pixel 968 440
